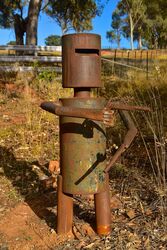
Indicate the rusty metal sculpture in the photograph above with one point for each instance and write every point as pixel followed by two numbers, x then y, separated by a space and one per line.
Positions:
pixel 83 121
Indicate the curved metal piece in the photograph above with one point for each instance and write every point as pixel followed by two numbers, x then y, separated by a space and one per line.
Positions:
pixel 132 131
pixel 50 106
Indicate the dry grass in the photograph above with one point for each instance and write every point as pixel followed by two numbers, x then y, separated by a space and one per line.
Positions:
pixel 135 54
pixel 138 182
pixel 152 92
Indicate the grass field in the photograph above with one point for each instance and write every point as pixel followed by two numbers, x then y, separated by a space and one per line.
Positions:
pixel 135 54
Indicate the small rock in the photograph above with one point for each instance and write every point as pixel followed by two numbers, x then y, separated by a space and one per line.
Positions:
pixel 131 213
pixel 53 231
pixel 54 166
pixel 5 117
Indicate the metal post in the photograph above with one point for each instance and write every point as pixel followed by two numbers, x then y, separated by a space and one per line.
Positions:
pixel 102 210
pixel 64 210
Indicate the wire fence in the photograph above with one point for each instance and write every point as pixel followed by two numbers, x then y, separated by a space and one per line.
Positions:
pixel 126 63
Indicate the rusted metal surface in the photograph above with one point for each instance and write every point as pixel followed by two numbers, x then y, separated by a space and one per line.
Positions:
pixel 104 114
pixel 93 114
pixel 132 131
pixel 83 150
pixel 81 60
pixel 122 106
pixel 64 210
pixel 82 93
pixel 102 211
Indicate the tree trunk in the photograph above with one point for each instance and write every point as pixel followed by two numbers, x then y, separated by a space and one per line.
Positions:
pixel 19 28
pixel 131 31
pixel 118 39
pixel 63 26
pixel 32 24
pixel 140 42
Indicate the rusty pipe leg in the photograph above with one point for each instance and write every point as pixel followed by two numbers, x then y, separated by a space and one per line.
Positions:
pixel 82 92
pixel 64 210
pixel 103 214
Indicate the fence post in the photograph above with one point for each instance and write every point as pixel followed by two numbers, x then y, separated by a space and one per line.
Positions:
pixel 128 57
pixel 115 55
pixel 135 58
pixel 147 65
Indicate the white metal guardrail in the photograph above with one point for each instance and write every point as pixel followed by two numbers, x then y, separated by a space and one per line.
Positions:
pixel 31 47
pixel 42 59
pixel 29 54
pixel 29 68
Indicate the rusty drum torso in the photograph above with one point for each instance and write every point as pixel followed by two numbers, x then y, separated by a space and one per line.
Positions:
pixel 83 147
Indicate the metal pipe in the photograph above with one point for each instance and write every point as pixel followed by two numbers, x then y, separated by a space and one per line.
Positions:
pixel 122 106
pixel 64 210
pixel 82 92
pixel 102 211
pixel 93 114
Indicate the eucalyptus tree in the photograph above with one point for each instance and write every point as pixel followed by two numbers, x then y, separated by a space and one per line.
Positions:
pixel 114 35
pixel 11 16
pixel 53 40
pixel 14 14
pixel 32 21
pixel 144 21
pixel 132 12
pixel 156 24
pixel 22 16
pixel 74 14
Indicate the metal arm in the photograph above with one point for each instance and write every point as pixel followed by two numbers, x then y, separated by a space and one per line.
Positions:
pixel 58 109
pixel 105 115
pixel 132 131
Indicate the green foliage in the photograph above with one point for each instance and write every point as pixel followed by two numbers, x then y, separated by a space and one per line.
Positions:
pixel 8 10
pixel 156 24
pixel 11 43
pixel 132 11
pixel 53 40
pixel 47 75
pixel 74 14
pixel 143 21
pixel 115 33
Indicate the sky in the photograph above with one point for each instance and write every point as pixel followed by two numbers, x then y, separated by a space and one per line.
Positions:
pixel 48 26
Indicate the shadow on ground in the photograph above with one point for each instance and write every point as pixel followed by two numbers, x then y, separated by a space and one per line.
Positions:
pixel 25 180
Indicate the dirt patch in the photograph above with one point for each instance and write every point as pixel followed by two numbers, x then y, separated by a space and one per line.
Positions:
pixel 11 109
pixel 25 227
